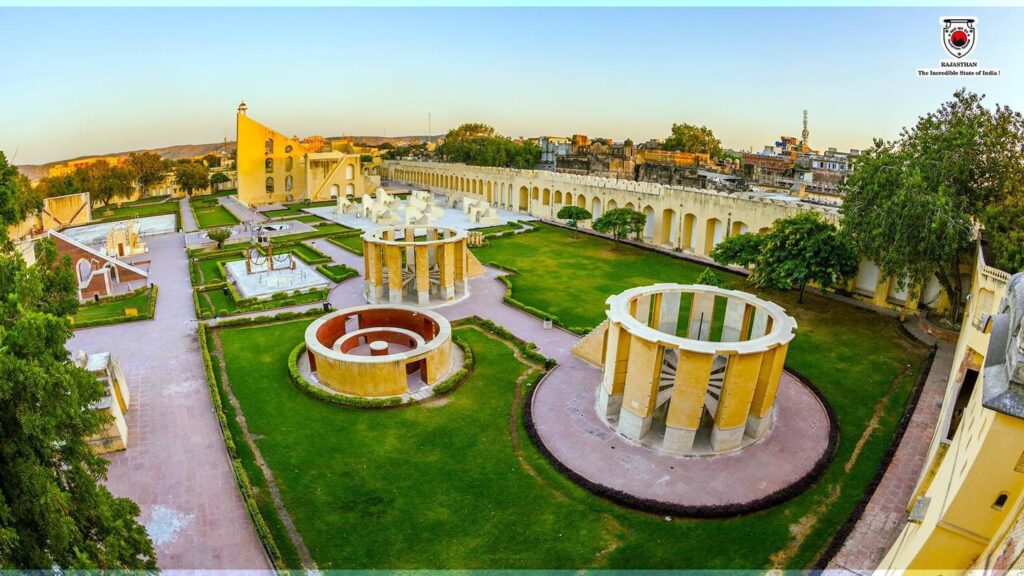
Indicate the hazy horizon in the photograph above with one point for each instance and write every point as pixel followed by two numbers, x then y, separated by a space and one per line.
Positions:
pixel 103 80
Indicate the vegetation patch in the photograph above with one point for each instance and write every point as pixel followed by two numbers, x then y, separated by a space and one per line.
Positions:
pixel 353 242
pixel 114 309
pixel 337 273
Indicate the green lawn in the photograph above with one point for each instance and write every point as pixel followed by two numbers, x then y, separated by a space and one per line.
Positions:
pixel 297 208
pixel 218 302
pixel 337 272
pixel 206 271
pixel 320 231
pixel 213 215
pixel 498 229
pixel 97 313
pixel 135 210
pixel 351 243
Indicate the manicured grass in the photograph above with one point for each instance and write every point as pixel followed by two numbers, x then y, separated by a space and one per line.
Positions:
pixel 337 272
pixel 321 230
pixel 855 356
pixel 498 229
pixel 218 302
pixel 211 216
pixel 308 219
pixel 206 271
pixel 135 210
pixel 97 313
pixel 351 243
pixel 297 208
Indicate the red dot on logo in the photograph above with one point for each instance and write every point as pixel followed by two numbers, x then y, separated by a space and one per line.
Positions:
pixel 958 39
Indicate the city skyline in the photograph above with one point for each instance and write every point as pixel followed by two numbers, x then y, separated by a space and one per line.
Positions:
pixel 112 80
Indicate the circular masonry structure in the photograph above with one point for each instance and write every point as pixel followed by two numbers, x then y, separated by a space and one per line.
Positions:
pixel 680 360
pixel 415 265
pixel 376 351
pixel 683 407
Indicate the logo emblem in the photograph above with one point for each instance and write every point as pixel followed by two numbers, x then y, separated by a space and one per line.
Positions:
pixel 959 36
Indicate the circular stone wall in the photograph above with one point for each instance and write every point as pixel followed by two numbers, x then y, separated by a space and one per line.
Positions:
pixel 415 265
pixel 692 369
pixel 374 351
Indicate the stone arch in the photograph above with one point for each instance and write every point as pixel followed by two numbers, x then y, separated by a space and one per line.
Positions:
pixel 629 206
pixel 669 227
pixel 612 205
pixel 350 172
pixel 489 191
pixel 763 230
pixel 568 198
pixel 714 232
pixel 595 208
pixel 535 193
pixel 581 201
pixel 83 268
pixel 350 190
pixel 546 197
pixel 558 197
pixel 739 227
pixel 524 199
pixel 690 231
pixel 650 226
pixel 334 190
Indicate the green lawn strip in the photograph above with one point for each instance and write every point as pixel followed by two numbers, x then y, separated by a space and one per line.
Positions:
pixel 213 215
pixel 410 472
pixel 126 212
pixel 352 243
pixel 510 227
pixel 221 300
pixel 111 310
pixel 855 357
pixel 306 253
pixel 321 231
pixel 297 208
pixel 337 272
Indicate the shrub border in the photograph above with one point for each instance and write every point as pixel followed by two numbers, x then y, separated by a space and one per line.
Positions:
pixel 660 508
pixel 147 315
pixel 839 538
pixel 511 301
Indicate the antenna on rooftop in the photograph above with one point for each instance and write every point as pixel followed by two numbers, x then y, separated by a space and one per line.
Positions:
pixel 805 134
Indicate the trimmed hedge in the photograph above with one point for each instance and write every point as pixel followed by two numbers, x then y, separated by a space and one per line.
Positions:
pixel 249 305
pixel 147 315
pixel 242 479
pixel 337 276
pixel 527 349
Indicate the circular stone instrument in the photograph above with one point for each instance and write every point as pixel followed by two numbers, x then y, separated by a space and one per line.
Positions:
pixel 418 265
pixel 374 351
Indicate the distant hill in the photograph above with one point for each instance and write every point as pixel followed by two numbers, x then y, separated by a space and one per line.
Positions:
pixel 35 171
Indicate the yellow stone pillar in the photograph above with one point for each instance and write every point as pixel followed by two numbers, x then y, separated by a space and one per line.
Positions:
pixel 613 379
pixel 460 265
pixel 447 262
pixel 394 263
pixel 693 370
pixel 734 404
pixel 422 270
pixel 702 314
pixel 641 390
pixel 374 272
pixel 763 404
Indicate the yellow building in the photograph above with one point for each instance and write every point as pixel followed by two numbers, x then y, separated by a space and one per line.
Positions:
pixel 65 168
pixel 273 168
pixel 966 512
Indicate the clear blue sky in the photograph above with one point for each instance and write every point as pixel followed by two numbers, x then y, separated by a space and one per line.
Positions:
pixel 85 81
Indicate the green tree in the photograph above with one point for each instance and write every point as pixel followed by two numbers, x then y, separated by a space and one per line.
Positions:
pixel 54 510
pixel 211 160
pixel 695 139
pixel 1004 232
pixel 798 250
pixel 620 222
pixel 17 199
pixel 53 186
pixel 219 235
pixel 218 178
pixel 708 277
pixel 149 167
pixel 742 249
pixel 912 203
pixel 572 215
pixel 192 177
pixel 478 145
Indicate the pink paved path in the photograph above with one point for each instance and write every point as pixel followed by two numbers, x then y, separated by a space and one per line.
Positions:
pixel 176 467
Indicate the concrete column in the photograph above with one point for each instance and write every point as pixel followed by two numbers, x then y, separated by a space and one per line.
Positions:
pixel 760 323
pixel 379 348
pixel 686 407
pixel 655 311
pixel 668 316
pixel 447 261
pixel 702 314
pixel 422 276
pixel 374 272
pixel 763 404
pixel 641 390
pixel 732 328
pixel 641 308
pixel 460 263
pixel 613 380
pixel 734 404
pixel 393 254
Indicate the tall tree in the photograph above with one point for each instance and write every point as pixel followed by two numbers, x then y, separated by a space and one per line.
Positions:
pixel 692 138
pixel 17 199
pixel 572 215
pixel 149 167
pixel 54 511
pixel 620 222
pixel 192 177
pixel 51 186
pixel 218 178
pixel 795 251
pixel 911 204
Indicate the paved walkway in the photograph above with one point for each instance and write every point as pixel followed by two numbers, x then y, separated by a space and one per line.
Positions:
pixel 240 210
pixel 176 467
pixel 188 220
pixel 886 512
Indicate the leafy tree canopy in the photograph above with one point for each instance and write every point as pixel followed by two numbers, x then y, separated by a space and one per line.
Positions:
pixel 620 222
pixel 795 251
pixel 149 168
pixel 479 145
pixel 192 177
pixel 219 235
pixel 572 215
pixel 692 138
pixel 911 204
pixel 17 199
pixel 708 277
